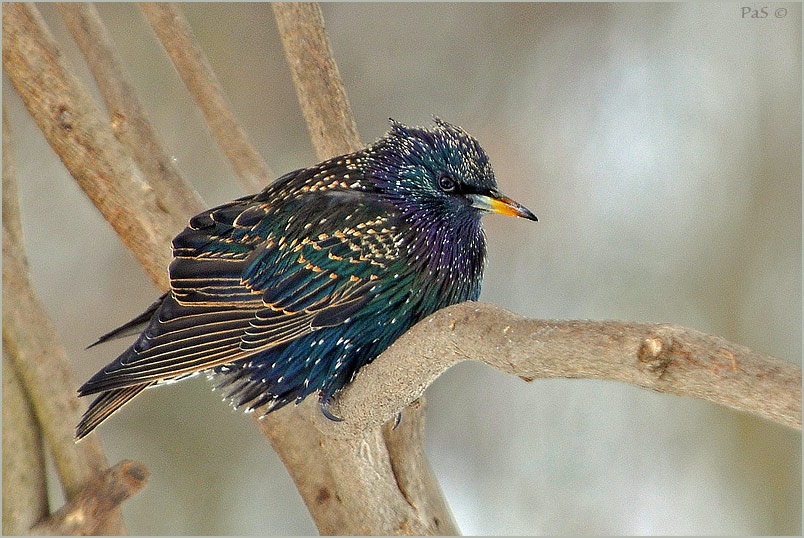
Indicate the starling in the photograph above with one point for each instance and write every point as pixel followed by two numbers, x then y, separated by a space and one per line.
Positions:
pixel 290 291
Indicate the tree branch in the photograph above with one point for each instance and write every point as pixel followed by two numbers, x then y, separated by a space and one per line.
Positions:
pixel 179 42
pixel 664 358
pixel 315 75
pixel 84 513
pixel 357 485
pixel 75 129
pixel 129 121
pixel 24 482
pixel 29 340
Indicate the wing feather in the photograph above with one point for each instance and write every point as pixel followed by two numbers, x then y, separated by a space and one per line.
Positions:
pixel 240 286
pixel 246 277
pixel 105 406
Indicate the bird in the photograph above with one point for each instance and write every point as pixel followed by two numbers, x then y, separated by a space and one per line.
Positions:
pixel 290 291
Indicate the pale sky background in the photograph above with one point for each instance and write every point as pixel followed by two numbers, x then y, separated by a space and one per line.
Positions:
pixel 660 147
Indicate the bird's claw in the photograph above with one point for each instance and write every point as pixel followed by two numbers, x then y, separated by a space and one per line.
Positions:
pixel 324 402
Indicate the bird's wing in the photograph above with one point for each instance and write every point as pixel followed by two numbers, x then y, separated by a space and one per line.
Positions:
pixel 105 406
pixel 248 276
pixel 135 326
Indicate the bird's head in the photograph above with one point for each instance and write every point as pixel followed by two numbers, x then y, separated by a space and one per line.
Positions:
pixel 439 171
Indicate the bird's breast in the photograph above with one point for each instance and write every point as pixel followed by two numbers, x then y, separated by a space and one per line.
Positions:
pixel 447 262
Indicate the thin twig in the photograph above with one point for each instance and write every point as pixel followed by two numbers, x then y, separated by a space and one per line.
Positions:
pixel 179 42
pixel 316 78
pixel 12 223
pixel 43 367
pixel 663 358
pixel 84 514
pixel 129 121
pixel 74 127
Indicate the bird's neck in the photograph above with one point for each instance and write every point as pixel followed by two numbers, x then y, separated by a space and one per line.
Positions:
pixel 449 254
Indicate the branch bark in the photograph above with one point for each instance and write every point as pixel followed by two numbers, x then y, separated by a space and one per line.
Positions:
pixel 129 122
pixel 84 513
pixel 315 75
pixel 46 376
pixel 192 65
pixel 24 484
pixel 661 357
pixel 74 127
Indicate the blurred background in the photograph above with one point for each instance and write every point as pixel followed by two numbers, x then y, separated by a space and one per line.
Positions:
pixel 660 146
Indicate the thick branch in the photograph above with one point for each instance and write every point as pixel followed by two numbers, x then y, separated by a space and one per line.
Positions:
pixel 412 471
pixel 179 42
pixel 316 78
pixel 74 127
pixel 359 485
pixel 300 447
pixel 130 123
pixel 83 514
pixel 663 358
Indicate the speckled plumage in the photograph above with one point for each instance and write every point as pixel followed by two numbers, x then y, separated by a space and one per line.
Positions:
pixel 290 291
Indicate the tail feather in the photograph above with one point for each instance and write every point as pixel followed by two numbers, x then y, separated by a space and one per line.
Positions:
pixel 105 406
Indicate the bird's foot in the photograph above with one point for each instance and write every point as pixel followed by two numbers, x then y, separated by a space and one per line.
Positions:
pixel 324 400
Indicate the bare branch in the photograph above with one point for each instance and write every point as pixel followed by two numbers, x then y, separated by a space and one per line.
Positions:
pixel 412 471
pixel 316 78
pixel 84 514
pixel 29 340
pixel 24 483
pixel 74 127
pixel 350 484
pixel 12 224
pixel 299 445
pixel 130 123
pixel 24 480
pixel 178 40
pixel 44 369
pixel 663 358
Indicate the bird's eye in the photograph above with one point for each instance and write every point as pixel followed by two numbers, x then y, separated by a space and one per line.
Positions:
pixel 447 184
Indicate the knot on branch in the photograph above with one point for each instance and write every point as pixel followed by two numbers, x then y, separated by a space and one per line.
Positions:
pixel 64 118
pixel 86 513
pixel 656 353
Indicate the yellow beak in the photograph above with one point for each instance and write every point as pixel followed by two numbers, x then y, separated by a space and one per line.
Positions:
pixel 496 202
